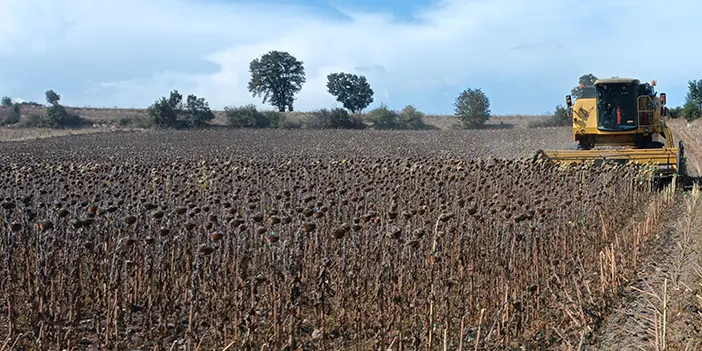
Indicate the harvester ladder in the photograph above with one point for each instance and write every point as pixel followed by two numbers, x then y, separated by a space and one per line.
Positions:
pixel 647 106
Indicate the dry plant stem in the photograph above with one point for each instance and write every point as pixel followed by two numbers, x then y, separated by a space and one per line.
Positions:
pixel 480 323
pixel 665 314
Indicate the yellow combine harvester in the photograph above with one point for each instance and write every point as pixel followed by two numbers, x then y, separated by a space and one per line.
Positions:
pixel 625 116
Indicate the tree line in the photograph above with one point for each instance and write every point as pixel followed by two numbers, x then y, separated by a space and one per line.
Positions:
pixel 277 77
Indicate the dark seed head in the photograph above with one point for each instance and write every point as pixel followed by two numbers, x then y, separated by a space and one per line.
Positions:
pixel 206 250
pixel 45 225
pixel 130 220
pixel 308 227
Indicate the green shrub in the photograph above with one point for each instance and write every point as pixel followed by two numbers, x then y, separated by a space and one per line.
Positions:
pixel 9 111
pixel 172 112
pixel 197 112
pixel 9 115
pixel 275 118
pixel 691 110
pixel 59 117
pixel 35 121
pixel 289 123
pixel 408 118
pixel 675 112
pixel 383 118
pixel 411 118
pixel 247 117
pixel 336 118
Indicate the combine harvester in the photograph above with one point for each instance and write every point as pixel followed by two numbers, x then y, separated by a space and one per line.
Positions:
pixel 624 116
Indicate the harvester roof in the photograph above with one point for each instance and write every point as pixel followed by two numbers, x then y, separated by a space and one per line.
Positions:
pixel 616 81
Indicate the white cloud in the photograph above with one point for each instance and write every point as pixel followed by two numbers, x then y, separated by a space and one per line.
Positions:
pixel 525 54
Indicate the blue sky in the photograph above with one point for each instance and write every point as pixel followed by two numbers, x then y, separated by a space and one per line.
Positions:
pixel 525 55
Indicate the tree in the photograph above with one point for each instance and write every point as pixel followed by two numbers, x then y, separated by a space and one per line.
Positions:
pixel 561 117
pixel 411 118
pixel 472 107
pixel 353 91
pixel 383 118
pixel 277 76
pixel 246 117
pixel 198 111
pixel 52 97
pixel 171 112
pixel 693 100
pixel 586 80
pixel 10 113
pixel 165 112
pixel 57 115
pixel 692 109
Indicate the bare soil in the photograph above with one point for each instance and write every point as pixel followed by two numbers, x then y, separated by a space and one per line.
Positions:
pixel 19 134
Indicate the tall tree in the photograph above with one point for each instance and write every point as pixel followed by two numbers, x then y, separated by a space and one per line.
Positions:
pixel 586 80
pixel 352 90
pixel 472 107
pixel 52 97
pixel 277 76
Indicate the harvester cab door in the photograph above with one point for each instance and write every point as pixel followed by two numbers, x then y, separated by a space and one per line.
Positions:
pixel 617 106
pixel 607 109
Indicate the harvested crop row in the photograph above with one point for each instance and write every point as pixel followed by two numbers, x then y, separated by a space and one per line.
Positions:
pixel 311 251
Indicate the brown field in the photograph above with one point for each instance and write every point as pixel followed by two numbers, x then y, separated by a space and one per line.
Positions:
pixel 343 240
pixel 17 134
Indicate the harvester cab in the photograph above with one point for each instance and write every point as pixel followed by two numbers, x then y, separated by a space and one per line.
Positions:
pixel 619 120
